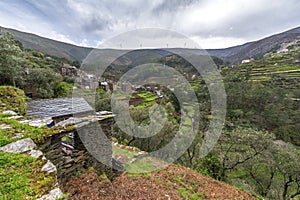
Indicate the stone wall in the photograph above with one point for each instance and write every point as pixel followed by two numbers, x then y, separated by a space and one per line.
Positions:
pixel 70 156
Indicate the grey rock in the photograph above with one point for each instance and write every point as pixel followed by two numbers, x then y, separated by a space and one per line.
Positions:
pixel 10 112
pixel 49 167
pixel 66 151
pixel 5 126
pixel 18 135
pixel 37 122
pixel 35 153
pixel 24 121
pixel 70 121
pixel 133 160
pixel 19 146
pixel 40 122
pixel 140 154
pixel 53 195
pixel 68 159
pixel 16 117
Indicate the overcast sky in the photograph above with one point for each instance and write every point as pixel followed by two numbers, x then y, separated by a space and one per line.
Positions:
pixel 211 23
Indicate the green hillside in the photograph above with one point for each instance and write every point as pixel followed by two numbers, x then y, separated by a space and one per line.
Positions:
pixel 259 147
pixel 48 46
pixel 33 71
pixel 258 150
pixel 266 93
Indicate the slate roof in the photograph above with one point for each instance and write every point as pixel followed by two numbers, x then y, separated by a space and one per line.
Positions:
pixel 57 107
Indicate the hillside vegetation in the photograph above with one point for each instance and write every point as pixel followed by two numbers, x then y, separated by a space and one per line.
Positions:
pixel 31 70
pixel 265 93
pixel 233 55
pixel 258 151
pixel 22 178
pixel 12 98
pixel 48 46
pixel 259 147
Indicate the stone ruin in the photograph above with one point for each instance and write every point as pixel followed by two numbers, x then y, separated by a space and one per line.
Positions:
pixel 71 157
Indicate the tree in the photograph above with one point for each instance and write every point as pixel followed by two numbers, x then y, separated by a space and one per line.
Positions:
pixel 275 174
pixel 43 81
pixel 62 89
pixel 102 100
pixel 239 146
pixel 269 167
pixel 210 165
pixel 287 158
pixel 11 60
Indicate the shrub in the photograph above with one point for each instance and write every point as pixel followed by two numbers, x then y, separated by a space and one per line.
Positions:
pixel 12 98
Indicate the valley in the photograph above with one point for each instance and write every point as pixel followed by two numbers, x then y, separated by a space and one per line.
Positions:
pixel 257 155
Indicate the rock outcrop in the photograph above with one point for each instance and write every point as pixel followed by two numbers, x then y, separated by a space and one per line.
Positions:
pixel 19 146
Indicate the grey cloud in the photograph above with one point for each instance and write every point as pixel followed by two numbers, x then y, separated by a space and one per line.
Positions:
pixel 95 23
pixel 172 5
pixel 95 20
pixel 255 24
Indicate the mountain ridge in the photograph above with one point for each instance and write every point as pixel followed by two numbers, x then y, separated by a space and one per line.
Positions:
pixel 48 46
pixel 233 55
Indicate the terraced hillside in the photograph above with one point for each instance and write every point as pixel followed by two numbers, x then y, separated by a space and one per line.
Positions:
pixel 266 93
pixel 279 69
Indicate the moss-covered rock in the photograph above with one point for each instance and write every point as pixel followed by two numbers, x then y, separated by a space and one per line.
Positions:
pixel 12 98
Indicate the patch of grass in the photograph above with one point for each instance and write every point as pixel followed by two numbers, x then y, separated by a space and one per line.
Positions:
pixel 188 193
pixel 64 196
pixel 141 165
pixel 188 189
pixel 147 175
pixel 124 152
pixel 35 133
pixel 146 98
pixel 21 178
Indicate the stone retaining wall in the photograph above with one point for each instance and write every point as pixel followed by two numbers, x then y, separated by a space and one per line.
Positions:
pixel 72 158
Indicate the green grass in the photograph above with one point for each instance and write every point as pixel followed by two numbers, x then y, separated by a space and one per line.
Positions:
pixel 187 190
pixel 37 134
pixel 21 178
pixel 141 165
pixel 146 175
pixel 273 70
pixel 147 99
pixel 20 175
pixel 188 193
pixel 124 152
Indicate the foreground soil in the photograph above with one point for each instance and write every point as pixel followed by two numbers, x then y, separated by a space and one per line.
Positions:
pixel 173 182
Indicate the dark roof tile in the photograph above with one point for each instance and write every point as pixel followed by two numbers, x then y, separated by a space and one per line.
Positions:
pixel 57 107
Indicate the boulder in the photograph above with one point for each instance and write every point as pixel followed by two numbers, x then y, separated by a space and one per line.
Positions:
pixel 35 153
pixel 19 146
pixel 10 112
pixel 53 195
pixel 5 126
pixel 49 167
